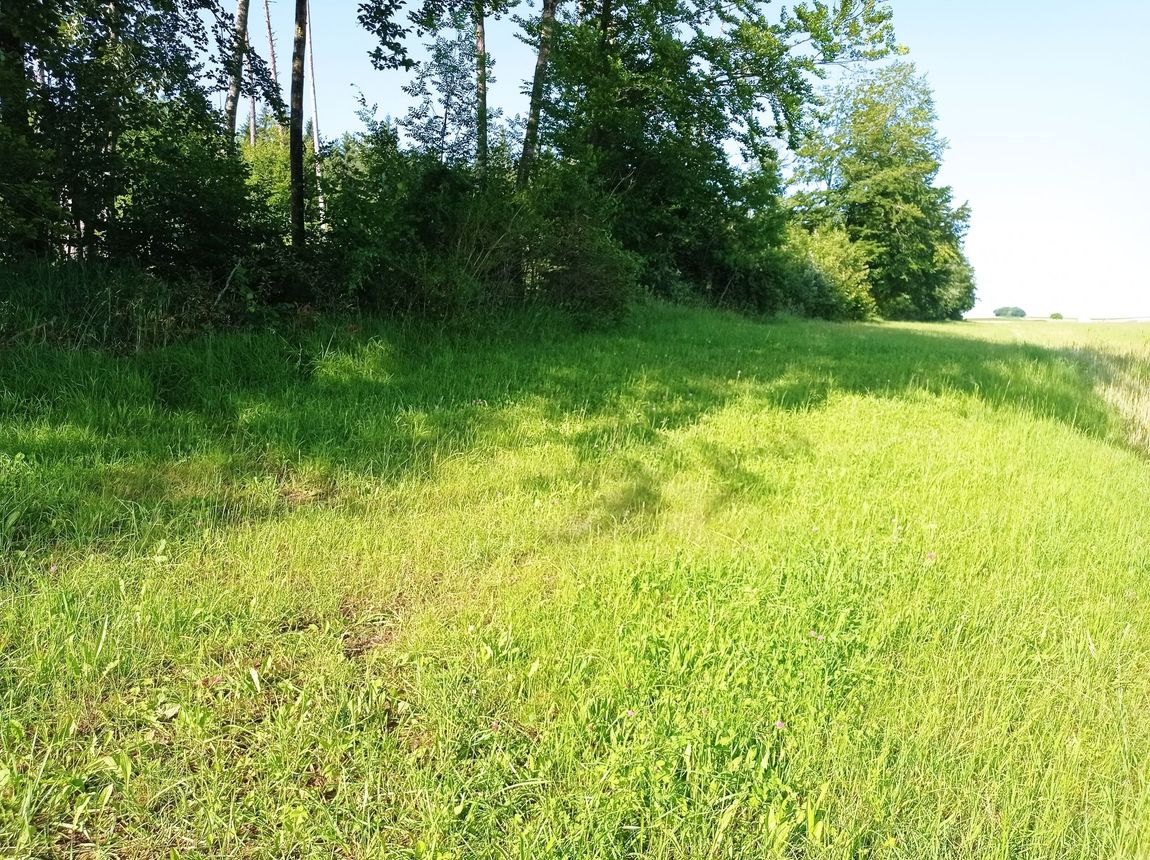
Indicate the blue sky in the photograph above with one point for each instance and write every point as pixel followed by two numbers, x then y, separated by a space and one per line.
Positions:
pixel 1046 106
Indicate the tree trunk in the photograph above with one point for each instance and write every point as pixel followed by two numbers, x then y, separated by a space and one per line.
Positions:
pixel 443 128
pixel 606 18
pixel 271 45
pixel 531 136
pixel 320 203
pixel 606 21
pixel 14 111
pixel 295 127
pixel 239 49
pixel 480 86
pixel 252 122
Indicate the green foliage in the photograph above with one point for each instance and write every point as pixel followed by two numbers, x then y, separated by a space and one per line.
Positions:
pixel 652 97
pixel 109 78
pixel 1056 316
pixel 183 205
pixel 574 261
pixel 1009 312
pixel 834 273
pixel 269 174
pixel 442 121
pixel 440 240
pixel 871 168
pixel 658 167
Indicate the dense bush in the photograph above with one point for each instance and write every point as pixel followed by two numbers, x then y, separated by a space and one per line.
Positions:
pixel 410 233
pixel 834 271
pixel 1009 312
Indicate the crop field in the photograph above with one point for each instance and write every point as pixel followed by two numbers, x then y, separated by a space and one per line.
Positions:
pixel 695 587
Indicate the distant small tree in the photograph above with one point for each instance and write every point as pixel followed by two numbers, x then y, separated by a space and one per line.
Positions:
pixel 1010 312
pixel 442 121
pixel 1056 316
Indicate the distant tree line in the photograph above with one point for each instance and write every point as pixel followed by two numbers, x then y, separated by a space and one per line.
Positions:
pixel 681 148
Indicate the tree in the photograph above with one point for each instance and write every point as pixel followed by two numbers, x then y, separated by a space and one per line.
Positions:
pixel 872 168
pixel 231 107
pixel 295 127
pixel 437 16
pixel 271 44
pixel 653 98
pixel 121 93
pixel 26 198
pixel 538 83
pixel 315 122
pixel 480 16
pixel 1018 313
pixel 442 121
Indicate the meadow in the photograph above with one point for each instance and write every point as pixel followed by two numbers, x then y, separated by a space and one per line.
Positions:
pixel 699 586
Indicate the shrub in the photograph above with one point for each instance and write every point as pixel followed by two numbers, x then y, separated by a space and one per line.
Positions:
pixel 571 258
pixel 1056 316
pixel 1010 312
pixel 832 273
pixel 413 234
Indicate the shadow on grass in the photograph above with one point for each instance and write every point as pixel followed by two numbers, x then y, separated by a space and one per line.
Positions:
pixel 96 449
pixel 1123 378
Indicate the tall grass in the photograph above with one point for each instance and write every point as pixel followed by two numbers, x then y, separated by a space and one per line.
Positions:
pixel 698 587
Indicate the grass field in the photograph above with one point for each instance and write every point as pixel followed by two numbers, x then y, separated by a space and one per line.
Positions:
pixel 699 587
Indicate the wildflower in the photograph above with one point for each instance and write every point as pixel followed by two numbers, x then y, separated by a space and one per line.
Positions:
pixel 53 568
pixel 819 637
pixel 630 712
pixel 780 725
pixel 930 556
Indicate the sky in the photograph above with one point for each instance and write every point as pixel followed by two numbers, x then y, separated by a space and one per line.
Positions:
pixel 1046 106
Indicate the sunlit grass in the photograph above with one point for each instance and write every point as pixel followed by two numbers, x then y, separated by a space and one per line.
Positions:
pixel 699 587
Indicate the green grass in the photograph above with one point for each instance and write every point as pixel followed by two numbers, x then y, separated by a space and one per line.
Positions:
pixel 698 587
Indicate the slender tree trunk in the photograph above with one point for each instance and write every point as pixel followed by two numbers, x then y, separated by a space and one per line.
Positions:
pixel 606 18
pixel 599 132
pixel 14 82
pixel 320 202
pixel 443 128
pixel 531 136
pixel 295 127
pixel 271 45
pixel 239 49
pixel 252 121
pixel 481 85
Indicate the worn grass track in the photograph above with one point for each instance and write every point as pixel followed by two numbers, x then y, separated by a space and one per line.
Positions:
pixel 698 587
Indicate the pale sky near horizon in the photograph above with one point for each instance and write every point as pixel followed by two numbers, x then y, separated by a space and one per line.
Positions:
pixel 1046 106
